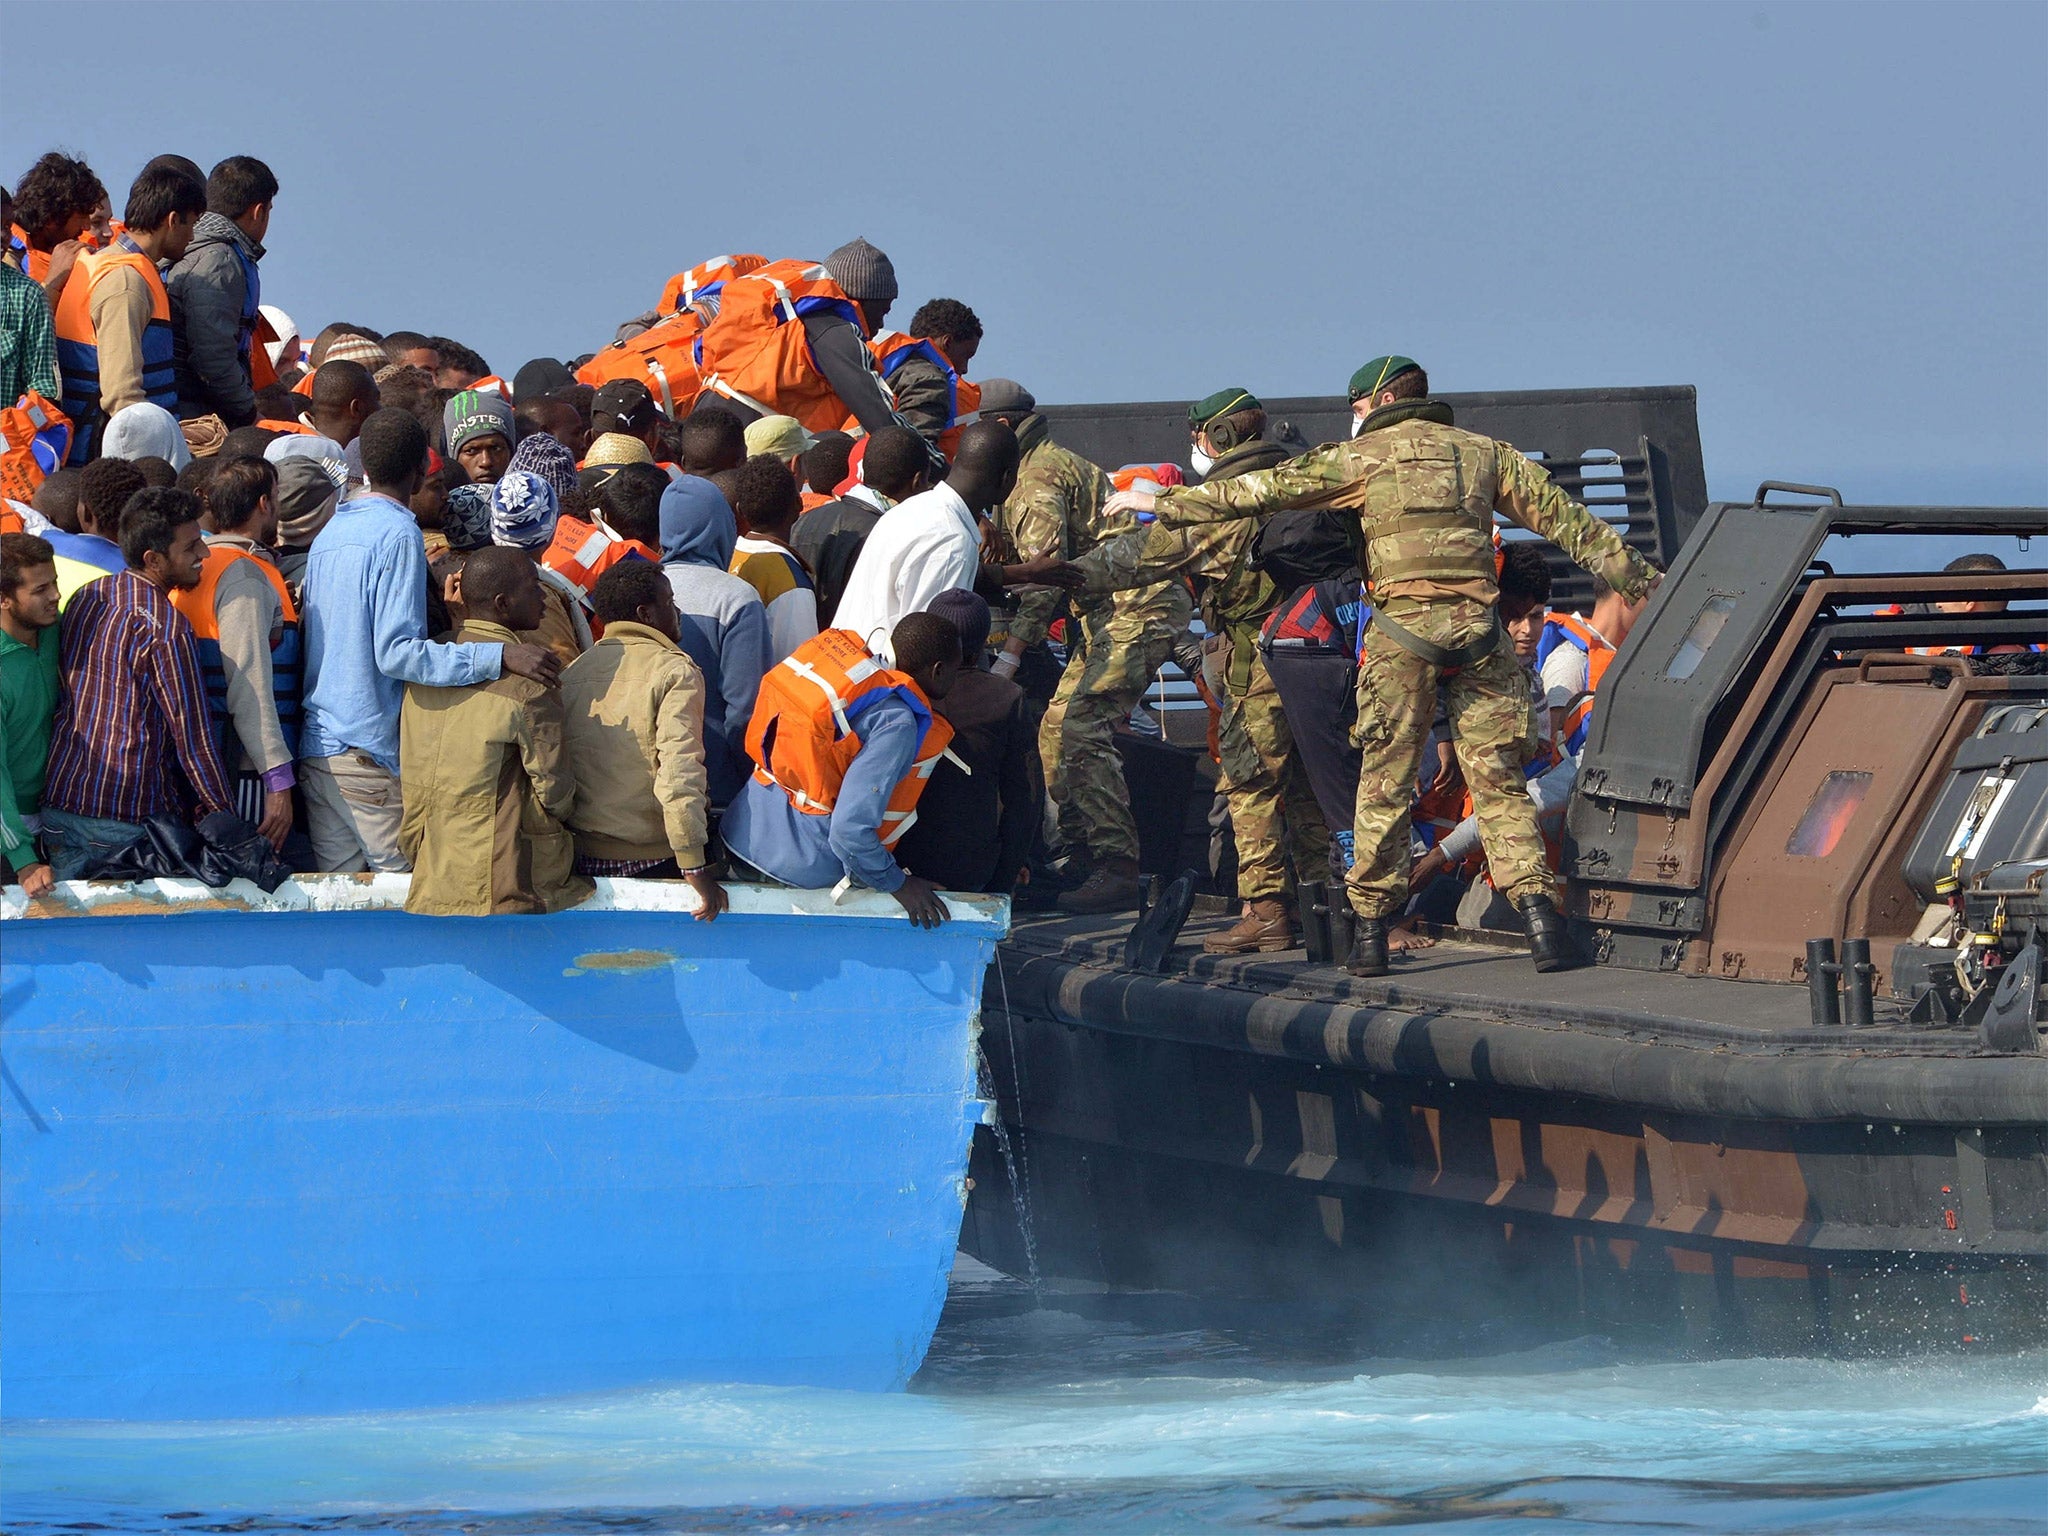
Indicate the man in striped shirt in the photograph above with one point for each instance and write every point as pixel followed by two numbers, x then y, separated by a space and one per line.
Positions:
pixel 132 737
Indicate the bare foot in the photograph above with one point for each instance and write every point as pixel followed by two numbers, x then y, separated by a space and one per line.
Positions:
pixel 1403 936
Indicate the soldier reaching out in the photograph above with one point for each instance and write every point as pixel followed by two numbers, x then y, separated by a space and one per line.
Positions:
pixel 1425 494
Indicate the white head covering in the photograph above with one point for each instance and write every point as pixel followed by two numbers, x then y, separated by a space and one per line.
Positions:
pixel 145 431
pixel 287 344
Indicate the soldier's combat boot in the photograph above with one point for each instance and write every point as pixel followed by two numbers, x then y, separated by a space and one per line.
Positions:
pixel 1111 887
pixel 1550 942
pixel 1369 949
pixel 1265 927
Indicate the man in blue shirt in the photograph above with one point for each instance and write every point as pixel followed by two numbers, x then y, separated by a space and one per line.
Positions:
pixel 767 829
pixel 364 620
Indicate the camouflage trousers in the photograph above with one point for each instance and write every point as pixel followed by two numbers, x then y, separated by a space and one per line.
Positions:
pixel 1115 651
pixel 1488 706
pixel 1273 812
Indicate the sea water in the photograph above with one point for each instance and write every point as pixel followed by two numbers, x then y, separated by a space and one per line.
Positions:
pixel 1039 1413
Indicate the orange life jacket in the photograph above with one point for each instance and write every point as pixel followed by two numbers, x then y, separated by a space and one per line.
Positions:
pixel 271 424
pixel 78 347
pixel 197 604
pixel 584 551
pixel 305 385
pixel 806 727
pixel 10 519
pixel 34 438
pixel 812 500
pixel 1158 477
pixel 705 279
pixel 34 262
pixel 661 357
pixel 892 349
pixel 754 349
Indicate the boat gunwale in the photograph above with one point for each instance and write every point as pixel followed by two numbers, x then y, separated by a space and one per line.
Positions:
pixel 341 894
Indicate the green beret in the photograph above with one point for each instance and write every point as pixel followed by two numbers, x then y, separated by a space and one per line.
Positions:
pixel 1222 403
pixel 1378 374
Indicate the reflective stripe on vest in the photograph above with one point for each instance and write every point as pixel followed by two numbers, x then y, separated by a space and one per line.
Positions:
pixel 805 730
pixel 78 349
pixel 200 607
pixel 34 438
pixel 755 352
pixel 704 280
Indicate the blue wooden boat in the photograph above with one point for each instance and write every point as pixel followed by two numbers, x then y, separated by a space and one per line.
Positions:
pixel 309 1153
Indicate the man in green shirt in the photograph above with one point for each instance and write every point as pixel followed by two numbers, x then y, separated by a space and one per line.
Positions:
pixel 28 335
pixel 28 699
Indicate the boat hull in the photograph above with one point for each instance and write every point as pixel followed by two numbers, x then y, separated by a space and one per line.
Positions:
pixel 294 1161
pixel 1254 1132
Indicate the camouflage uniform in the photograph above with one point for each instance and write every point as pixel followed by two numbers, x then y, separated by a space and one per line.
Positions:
pixel 1425 494
pixel 1273 813
pixel 1115 647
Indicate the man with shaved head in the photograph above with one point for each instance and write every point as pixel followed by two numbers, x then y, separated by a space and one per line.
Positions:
pixel 344 395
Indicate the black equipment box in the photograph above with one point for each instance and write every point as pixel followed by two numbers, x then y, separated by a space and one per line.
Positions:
pixel 1993 811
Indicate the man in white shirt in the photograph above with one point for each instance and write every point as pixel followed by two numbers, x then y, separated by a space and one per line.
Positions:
pixel 931 543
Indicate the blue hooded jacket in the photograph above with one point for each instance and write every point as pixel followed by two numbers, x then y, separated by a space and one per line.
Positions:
pixel 724 628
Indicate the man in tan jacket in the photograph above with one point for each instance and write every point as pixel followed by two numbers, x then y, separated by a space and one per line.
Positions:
pixel 482 768
pixel 635 738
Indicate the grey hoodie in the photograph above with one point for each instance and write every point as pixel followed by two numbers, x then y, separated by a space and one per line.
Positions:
pixel 208 295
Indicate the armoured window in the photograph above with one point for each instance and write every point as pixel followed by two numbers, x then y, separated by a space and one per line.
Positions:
pixel 1706 629
pixel 1828 816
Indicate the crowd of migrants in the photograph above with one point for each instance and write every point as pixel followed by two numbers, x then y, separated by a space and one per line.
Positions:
pixel 714 603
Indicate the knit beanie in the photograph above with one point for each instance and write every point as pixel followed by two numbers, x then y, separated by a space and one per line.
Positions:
pixel 473 414
pixel 862 272
pixel 523 511
pixel 969 613
pixel 466 517
pixel 350 348
pixel 544 456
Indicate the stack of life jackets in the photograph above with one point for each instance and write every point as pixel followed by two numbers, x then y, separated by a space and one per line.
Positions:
pixel 754 349
pixel 705 281
pixel 34 438
pixel 805 732
pixel 197 604
pixel 892 349
pixel 78 348
pixel 663 357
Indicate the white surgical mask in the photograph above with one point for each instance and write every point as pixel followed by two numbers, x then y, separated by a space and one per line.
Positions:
pixel 1356 423
pixel 1200 462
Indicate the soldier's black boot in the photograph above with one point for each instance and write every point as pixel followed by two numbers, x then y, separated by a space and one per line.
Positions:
pixel 1550 942
pixel 1369 948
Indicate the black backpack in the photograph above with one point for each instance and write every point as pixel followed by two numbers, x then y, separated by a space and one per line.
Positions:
pixel 1304 545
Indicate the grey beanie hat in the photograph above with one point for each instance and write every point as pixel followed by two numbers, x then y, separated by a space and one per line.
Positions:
pixel 1006 397
pixel 862 272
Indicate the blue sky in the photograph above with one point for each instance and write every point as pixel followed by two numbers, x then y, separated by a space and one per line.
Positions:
pixel 1831 218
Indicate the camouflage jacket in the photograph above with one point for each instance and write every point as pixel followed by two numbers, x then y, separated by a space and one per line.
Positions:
pixel 1056 508
pixel 1216 556
pixel 1424 493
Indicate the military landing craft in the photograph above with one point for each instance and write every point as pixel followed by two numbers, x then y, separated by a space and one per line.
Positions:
pixel 1795 1099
